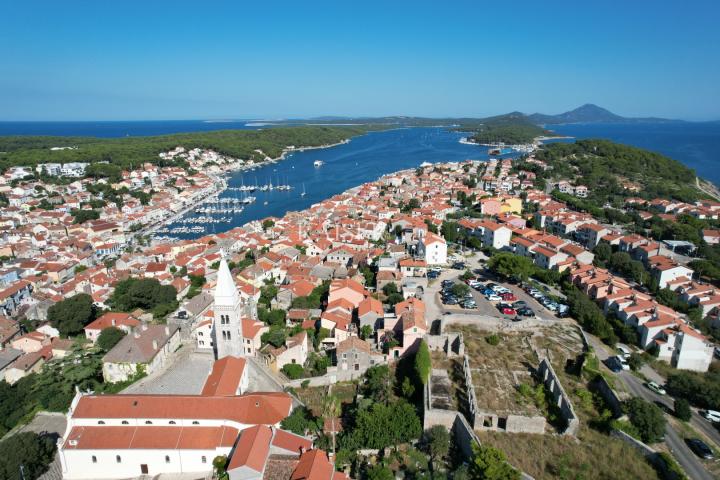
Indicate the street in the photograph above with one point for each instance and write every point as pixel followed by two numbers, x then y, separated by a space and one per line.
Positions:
pixel 692 465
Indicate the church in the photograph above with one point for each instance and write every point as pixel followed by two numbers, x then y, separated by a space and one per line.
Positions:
pixel 227 322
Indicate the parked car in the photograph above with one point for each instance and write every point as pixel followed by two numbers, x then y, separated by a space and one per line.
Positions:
pixel 655 388
pixel 458 266
pixel 711 415
pixel 508 297
pixel 700 448
pixel 623 363
pixel 508 311
pixel 493 298
pixel 526 312
pixel 613 364
pixel 624 352
pixel 520 304
pixel 451 301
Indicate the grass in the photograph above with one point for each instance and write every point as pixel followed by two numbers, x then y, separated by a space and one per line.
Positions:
pixel 592 456
pixel 313 397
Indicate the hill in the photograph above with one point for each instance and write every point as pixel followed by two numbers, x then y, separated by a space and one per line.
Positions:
pixel 589 113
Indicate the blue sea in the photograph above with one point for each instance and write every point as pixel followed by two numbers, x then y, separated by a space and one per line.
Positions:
pixel 370 156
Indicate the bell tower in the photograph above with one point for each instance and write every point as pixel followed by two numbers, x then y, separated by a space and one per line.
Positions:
pixel 227 325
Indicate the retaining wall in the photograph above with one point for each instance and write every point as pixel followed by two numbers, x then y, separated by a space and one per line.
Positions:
pixel 610 396
pixel 550 379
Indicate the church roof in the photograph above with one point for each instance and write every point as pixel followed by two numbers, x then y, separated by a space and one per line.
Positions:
pixel 225 290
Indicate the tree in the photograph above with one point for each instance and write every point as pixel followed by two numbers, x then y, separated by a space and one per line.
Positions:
pixel 366 332
pixel 509 265
pixel 636 361
pixel 379 472
pixel 145 293
pixel 460 289
pixel 647 418
pixel 490 463
pixel 275 336
pixel 331 409
pixel 71 315
pixel 378 384
pixel 267 224
pixel 293 370
pixel 268 294
pixel 34 452
pixel 682 409
pixel 380 425
pixel 602 252
pixel 300 421
pixel 82 216
pixel 390 288
pixel 449 231
pixel 437 443
pixel 423 363
pixel 109 337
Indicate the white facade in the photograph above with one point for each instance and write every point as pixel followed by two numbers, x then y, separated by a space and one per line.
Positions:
pixel 227 324
pixel 435 250
pixel 692 353
pixel 497 238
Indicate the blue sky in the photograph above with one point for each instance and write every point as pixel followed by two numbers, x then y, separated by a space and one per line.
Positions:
pixel 95 60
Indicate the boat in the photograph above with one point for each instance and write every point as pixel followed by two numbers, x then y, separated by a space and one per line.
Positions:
pixel 318 163
pixel 302 194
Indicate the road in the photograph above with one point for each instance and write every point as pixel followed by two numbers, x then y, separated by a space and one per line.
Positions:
pixel 692 465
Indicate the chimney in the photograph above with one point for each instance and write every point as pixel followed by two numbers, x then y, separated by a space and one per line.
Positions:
pixel 144 327
pixel 136 333
pixel 155 344
pixel 167 331
pixel 113 322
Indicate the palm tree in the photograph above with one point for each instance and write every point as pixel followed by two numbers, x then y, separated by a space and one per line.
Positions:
pixel 331 409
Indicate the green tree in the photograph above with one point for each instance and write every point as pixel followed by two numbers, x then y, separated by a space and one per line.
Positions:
pixel 602 252
pixel 109 337
pixel 380 425
pixel 490 463
pixel 647 418
pixel 423 364
pixel 509 265
pixel 366 332
pixel 682 409
pixel 71 315
pixel 300 421
pixel 460 289
pixel 293 370
pixel 636 361
pixel 378 383
pixel 267 223
pixel 450 231
pixel 437 443
pixel 34 452
pixel 145 293
pixel 379 472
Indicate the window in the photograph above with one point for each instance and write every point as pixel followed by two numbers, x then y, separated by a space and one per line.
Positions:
pixel 200 334
pixel 148 422
pixel 125 422
pixel 172 422
pixel 94 459
pixel 118 459
pixel 228 335
pixel 203 459
pixel 195 422
pixel 101 422
pixel 167 458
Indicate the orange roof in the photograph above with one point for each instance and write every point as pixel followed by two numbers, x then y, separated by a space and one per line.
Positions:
pixel 313 465
pixel 252 449
pixel 166 437
pixel 250 409
pixel 112 319
pixel 225 377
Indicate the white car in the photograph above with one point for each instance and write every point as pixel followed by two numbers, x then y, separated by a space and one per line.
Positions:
pixel 624 352
pixel 655 388
pixel 711 415
pixel 623 363
pixel 493 298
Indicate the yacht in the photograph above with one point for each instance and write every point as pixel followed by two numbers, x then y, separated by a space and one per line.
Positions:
pixel 318 163
pixel 303 192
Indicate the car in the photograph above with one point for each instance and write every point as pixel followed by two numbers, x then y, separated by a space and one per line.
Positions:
pixel 520 304
pixel 655 387
pixel 624 352
pixel 613 364
pixel 469 305
pixel 552 306
pixel 508 311
pixel 488 291
pixel 526 312
pixel 433 274
pixel 623 364
pixel 458 266
pixel 451 301
pixel 700 448
pixel 493 298
pixel 711 415
pixel 508 296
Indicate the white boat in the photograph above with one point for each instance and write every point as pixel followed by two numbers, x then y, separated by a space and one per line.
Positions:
pixel 303 192
pixel 318 163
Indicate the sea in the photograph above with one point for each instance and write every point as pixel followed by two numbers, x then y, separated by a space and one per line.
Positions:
pixel 367 157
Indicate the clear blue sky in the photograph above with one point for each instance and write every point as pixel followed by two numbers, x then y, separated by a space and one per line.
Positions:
pixel 126 60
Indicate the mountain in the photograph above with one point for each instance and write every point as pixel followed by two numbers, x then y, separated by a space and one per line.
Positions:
pixel 590 113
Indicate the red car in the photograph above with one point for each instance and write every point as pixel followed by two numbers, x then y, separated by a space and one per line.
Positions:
pixel 508 297
pixel 508 311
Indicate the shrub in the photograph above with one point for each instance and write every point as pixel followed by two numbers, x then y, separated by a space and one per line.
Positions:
pixel 647 418
pixel 293 371
pixel 493 339
pixel 682 409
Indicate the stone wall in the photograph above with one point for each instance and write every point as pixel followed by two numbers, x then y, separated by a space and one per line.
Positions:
pixel 449 343
pixel 652 455
pixel 610 396
pixel 550 379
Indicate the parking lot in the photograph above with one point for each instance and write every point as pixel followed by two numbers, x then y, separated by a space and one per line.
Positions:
pixel 482 300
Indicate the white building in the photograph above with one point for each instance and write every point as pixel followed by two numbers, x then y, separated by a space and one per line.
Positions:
pixel 434 249
pixel 227 324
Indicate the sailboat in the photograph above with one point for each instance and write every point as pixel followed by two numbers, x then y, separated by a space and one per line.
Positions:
pixel 303 192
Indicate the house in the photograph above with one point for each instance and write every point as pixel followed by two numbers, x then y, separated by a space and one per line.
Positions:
pixel 548 258
pixel 370 313
pixel 123 321
pixel 31 342
pixel 13 296
pixel 252 331
pixel 356 355
pixel 8 330
pixel 203 334
pixel 146 349
pixel 228 377
pixel 496 235
pixel 433 249
pixel 24 366
pixel 347 289
pixel 295 351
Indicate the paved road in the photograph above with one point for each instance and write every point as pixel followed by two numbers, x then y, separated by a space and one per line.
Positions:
pixel 185 374
pixel 692 465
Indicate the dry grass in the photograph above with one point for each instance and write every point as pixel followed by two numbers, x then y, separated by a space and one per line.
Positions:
pixel 591 456
pixel 313 397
